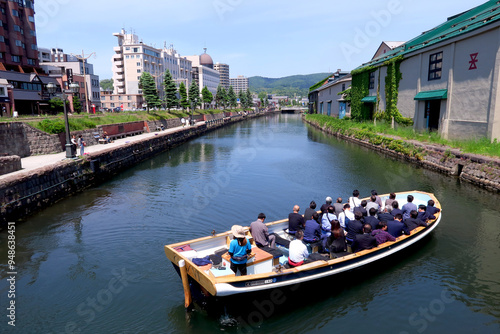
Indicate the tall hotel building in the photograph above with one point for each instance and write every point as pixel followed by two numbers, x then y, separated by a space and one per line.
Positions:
pixel 224 74
pixel 239 84
pixel 132 57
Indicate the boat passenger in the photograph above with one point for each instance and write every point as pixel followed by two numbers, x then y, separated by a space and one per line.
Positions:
pixel 396 209
pixel 312 230
pixel 379 200
pixel 261 234
pixel 362 208
pixel 354 227
pixel 310 210
pixel 295 220
pixel 413 222
pixel 298 253
pixel 396 227
pixel 372 219
pixel 239 249
pixel 336 241
pixel 354 201
pixel 408 207
pixel 365 240
pixel 346 216
pixel 388 202
pixel 385 215
pixel 325 206
pixel 381 233
pixel 372 204
pixel 326 221
pixel 421 213
pixel 431 210
pixel 339 207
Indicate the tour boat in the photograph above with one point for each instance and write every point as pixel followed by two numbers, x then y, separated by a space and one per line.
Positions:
pixel 267 270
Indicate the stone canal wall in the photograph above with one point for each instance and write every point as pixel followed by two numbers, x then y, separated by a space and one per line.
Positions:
pixel 24 194
pixel 479 170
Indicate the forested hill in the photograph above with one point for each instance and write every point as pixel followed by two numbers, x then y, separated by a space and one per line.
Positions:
pixel 291 85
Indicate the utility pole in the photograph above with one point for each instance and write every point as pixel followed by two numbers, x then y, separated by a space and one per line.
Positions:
pixel 83 59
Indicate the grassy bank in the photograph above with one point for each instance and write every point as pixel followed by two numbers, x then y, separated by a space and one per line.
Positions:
pixel 382 134
pixel 55 124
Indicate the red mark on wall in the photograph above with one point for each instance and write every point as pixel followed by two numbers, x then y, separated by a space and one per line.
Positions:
pixel 473 61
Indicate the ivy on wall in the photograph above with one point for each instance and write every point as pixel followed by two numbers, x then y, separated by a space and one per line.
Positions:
pixel 360 89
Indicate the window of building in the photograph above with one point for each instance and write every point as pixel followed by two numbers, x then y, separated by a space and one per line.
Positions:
pixel 372 80
pixel 34 47
pixel 127 48
pixel 120 98
pixel 138 70
pixel 15 13
pixel 138 64
pixel 136 49
pixel 343 87
pixel 31 18
pixel 19 43
pixel 17 28
pixel 111 105
pixel 31 61
pixel 2 39
pixel 103 98
pixel 127 57
pixel 129 98
pixel 435 66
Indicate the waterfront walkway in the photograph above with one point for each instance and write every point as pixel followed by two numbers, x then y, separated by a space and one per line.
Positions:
pixel 39 161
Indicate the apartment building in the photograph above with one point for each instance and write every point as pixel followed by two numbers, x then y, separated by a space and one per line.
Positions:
pixel 224 74
pixel 239 83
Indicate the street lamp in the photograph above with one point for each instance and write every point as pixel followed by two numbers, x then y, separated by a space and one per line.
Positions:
pixel 74 88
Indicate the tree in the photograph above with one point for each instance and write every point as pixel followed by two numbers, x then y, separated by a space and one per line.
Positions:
pixel 183 93
pixel 194 95
pixel 249 99
pixel 232 100
pixel 77 105
pixel 207 95
pixel 262 95
pixel 106 84
pixel 170 88
pixel 56 104
pixel 243 99
pixel 220 96
pixel 149 91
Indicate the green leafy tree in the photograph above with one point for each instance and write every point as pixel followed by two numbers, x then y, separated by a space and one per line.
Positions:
pixel 262 95
pixel 220 96
pixel 77 105
pixel 149 91
pixel 243 99
pixel 170 88
pixel 183 93
pixel 249 99
pixel 207 95
pixel 232 100
pixel 194 95
pixel 56 104
pixel 106 84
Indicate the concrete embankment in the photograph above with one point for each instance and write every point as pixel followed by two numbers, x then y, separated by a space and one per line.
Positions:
pixel 479 170
pixel 26 192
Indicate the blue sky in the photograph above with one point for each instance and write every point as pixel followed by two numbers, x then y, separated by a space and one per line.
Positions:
pixel 267 38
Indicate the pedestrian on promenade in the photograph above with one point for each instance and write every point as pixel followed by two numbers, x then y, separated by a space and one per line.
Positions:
pixel 82 145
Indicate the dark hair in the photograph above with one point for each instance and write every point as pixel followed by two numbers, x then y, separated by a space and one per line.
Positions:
pixel 331 209
pixel 315 216
pixel 347 206
pixel 381 224
pixel 337 231
pixel 374 192
pixel 422 207
pixel 367 228
pixel 299 234
pixel 373 198
pixel 261 216
pixel 430 202
pixel 413 213
pixel 355 193
pixel 395 205
pixel 373 211
pixel 392 195
pixel 242 241
pixel 358 215
pixel 410 198
pixel 312 205
pixel 398 216
pixel 363 203
pixel 339 200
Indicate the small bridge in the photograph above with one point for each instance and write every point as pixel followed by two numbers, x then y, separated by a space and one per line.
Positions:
pixel 292 110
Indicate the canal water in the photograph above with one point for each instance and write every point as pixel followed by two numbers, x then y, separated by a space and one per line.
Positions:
pixel 94 263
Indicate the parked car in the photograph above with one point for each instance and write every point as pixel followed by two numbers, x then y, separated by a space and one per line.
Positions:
pixel 117 109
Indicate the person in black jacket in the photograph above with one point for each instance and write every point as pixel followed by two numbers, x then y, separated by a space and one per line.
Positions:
pixel 413 222
pixel 365 240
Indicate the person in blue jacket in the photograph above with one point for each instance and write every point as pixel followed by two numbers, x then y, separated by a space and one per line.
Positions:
pixel 239 249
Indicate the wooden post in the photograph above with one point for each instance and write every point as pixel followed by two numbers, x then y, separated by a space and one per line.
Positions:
pixel 185 283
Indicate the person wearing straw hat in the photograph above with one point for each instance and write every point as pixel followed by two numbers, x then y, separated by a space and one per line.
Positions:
pixel 239 249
